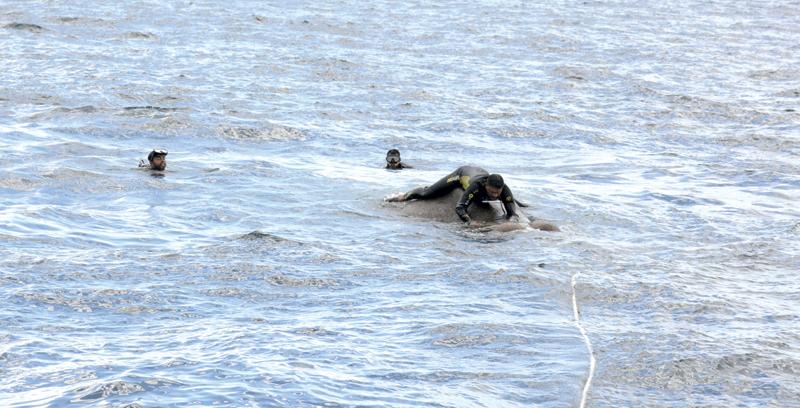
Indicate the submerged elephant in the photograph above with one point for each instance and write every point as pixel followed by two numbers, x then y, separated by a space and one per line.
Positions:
pixel 491 213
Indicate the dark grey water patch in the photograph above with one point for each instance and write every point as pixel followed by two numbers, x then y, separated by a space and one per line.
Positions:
pixel 316 332
pixel 17 183
pixel 69 19
pixel 327 258
pixel 330 75
pixel 580 74
pixel 80 376
pixel 140 309
pixel 553 44
pixel 321 25
pixel 149 108
pixel 136 35
pixel 358 214
pixel 277 250
pixel 57 299
pixel 65 112
pixel 155 112
pixel 265 236
pixel 549 116
pixel 274 132
pixel 775 74
pixel 179 362
pixel 33 28
pixel 242 271
pixel 741 376
pixel 106 390
pixel 483 235
pixel 74 148
pixel 332 69
pixel 596 174
pixel 283 280
pixel 535 278
pixel 169 124
pixel 684 201
pixel 55 329
pixel 79 181
pixel 12 280
pixel 501 113
pixel 616 295
pixel 789 93
pixel 82 21
pixel 770 142
pixel 442 377
pixel 466 340
pixel 520 133
pixel 233 292
pixel 87 301
pixel 687 106
pixel 752 249
pixel 101 132
pixel 169 98
pixel 268 243
pixel 696 106
pixel 138 94
pixel 483 334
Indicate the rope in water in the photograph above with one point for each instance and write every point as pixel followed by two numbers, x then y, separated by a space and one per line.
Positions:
pixel 592 362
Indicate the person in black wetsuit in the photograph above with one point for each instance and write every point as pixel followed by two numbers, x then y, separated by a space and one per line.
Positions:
pixel 478 186
pixel 156 160
pixel 393 161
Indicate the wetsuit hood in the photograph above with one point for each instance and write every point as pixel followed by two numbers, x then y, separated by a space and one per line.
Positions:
pixel 495 180
pixel 393 156
pixel 156 152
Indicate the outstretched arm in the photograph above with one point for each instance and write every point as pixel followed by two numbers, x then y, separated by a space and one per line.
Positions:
pixel 465 201
pixel 508 202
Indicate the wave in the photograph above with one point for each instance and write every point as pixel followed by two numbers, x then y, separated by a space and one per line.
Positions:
pixel 276 132
pixel 33 28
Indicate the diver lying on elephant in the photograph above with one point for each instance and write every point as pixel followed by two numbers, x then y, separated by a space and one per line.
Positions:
pixel 479 187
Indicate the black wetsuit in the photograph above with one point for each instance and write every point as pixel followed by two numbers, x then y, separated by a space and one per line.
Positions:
pixel 473 181
pixel 400 166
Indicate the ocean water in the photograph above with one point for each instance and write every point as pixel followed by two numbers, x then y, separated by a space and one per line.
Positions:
pixel 264 269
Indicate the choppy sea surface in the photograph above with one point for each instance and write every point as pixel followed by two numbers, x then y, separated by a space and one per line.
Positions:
pixel 264 269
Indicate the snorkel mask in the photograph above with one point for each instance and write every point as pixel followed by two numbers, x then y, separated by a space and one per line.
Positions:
pixel 393 156
pixel 156 152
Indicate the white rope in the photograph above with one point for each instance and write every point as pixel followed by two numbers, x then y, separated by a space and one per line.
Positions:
pixel 576 315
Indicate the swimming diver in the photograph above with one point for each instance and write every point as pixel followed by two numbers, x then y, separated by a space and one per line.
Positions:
pixel 393 161
pixel 478 185
pixel 156 160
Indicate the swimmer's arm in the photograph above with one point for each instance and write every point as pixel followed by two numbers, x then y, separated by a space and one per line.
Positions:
pixel 508 202
pixel 464 202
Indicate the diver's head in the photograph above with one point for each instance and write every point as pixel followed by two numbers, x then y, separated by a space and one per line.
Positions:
pixel 393 159
pixel 494 186
pixel 157 159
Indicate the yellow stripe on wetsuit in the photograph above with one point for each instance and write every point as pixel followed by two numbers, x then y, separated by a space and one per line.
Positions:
pixel 464 180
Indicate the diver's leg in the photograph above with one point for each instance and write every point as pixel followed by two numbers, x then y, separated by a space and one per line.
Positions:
pixel 472 171
pixel 440 188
